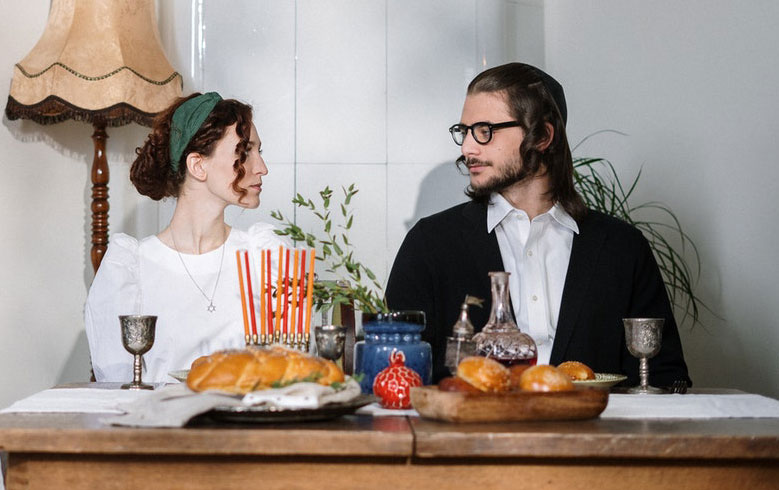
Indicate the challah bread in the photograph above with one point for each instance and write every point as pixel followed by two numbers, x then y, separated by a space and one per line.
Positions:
pixel 485 374
pixel 545 378
pixel 576 370
pixel 256 368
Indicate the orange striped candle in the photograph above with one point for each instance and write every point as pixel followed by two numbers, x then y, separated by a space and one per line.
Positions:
pixel 247 335
pixel 310 293
pixel 263 325
pixel 250 296
pixel 302 300
pixel 293 311
pixel 277 326
pixel 285 311
pixel 270 297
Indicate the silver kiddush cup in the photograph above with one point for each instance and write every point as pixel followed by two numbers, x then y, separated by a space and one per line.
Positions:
pixel 644 337
pixel 137 339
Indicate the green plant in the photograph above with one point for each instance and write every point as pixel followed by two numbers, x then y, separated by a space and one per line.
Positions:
pixel 337 254
pixel 602 190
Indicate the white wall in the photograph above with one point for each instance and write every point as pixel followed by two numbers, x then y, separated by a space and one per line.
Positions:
pixel 344 91
pixel 44 198
pixel 695 85
pixel 364 90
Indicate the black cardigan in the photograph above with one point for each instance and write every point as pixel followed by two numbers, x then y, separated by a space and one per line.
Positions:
pixel 612 274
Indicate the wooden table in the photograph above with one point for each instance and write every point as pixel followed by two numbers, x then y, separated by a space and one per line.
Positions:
pixel 78 451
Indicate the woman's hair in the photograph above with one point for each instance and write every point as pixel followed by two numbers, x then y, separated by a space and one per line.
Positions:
pixel 152 173
pixel 535 99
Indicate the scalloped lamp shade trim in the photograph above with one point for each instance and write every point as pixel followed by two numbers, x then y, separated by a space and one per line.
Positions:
pixel 97 60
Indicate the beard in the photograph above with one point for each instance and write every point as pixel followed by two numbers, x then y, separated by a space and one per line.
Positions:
pixel 507 174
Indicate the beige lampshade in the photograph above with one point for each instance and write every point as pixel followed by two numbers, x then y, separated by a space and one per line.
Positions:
pixel 97 59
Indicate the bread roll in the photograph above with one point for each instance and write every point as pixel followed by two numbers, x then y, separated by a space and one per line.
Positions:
pixel 515 374
pixel 457 384
pixel 545 378
pixel 485 374
pixel 576 370
pixel 243 371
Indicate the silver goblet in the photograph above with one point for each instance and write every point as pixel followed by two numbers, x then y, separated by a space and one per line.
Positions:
pixel 330 341
pixel 644 336
pixel 137 339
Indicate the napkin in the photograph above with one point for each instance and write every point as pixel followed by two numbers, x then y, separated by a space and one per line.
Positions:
pixel 175 405
pixel 376 410
pixel 302 396
pixel 690 406
pixel 80 400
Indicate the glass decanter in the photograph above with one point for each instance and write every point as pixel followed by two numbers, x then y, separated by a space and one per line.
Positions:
pixel 461 343
pixel 501 339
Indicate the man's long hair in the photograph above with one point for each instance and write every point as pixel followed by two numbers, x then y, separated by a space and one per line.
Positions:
pixel 534 99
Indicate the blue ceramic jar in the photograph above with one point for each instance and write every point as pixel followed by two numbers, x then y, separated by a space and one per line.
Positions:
pixel 384 332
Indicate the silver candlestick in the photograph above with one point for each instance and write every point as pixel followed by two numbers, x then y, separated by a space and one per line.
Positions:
pixel 644 336
pixel 137 339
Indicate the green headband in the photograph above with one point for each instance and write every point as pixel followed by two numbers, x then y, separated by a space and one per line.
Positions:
pixel 187 119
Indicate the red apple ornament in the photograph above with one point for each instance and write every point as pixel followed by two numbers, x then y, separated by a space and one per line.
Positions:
pixel 393 384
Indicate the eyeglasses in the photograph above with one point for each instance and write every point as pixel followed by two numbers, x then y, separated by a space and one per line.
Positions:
pixel 481 131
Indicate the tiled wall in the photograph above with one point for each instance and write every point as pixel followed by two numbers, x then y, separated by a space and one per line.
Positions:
pixel 351 91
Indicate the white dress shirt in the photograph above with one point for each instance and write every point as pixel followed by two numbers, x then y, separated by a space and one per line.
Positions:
pixel 536 253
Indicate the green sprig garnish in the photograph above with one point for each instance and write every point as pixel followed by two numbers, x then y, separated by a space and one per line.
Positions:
pixel 355 284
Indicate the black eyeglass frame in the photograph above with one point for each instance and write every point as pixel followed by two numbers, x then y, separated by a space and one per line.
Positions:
pixel 463 129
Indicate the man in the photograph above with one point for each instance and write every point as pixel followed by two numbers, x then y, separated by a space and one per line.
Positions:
pixel 575 273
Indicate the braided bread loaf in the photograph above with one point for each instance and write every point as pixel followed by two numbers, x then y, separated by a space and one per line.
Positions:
pixel 256 368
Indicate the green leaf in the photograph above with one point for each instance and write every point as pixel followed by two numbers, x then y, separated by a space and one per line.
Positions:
pixel 601 188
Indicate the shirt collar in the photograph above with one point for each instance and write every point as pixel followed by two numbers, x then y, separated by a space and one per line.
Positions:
pixel 498 208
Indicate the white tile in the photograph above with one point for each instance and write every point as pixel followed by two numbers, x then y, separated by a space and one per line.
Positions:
pixel 430 61
pixel 175 27
pixel 368 232
pixel 492 33
pixel 415 191
pixel 253 60
pixel 525 33
pixel 341 87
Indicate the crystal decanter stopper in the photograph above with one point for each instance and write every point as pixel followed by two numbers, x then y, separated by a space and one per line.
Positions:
pixel 501 339
pixel 461 343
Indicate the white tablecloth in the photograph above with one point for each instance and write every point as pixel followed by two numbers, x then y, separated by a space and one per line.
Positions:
pixel 83 400
pixel 621 406
pixel 690 406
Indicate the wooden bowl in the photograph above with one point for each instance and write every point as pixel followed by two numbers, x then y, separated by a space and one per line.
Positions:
pixel 579 404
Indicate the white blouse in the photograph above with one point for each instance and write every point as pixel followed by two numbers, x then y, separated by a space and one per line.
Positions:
pixel 147 277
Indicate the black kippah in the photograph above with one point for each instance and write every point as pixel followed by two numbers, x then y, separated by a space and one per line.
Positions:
pixel 555 90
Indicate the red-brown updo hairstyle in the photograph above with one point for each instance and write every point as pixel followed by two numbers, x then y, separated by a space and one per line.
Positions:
pixel 152 173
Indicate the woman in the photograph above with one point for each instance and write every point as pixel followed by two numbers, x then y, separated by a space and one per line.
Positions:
pixel 205 152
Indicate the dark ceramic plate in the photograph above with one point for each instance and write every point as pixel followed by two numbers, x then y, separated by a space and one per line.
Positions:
pixel 264 415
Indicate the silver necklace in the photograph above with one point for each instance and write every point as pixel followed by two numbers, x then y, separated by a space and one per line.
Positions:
pixel 211 308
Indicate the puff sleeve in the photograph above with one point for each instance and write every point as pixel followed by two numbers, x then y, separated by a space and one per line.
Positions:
pixel 115 291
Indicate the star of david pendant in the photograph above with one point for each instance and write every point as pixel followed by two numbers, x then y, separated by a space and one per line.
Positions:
pixel 211 307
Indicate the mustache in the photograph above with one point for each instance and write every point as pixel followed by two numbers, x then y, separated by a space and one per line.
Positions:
pixel 472 162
